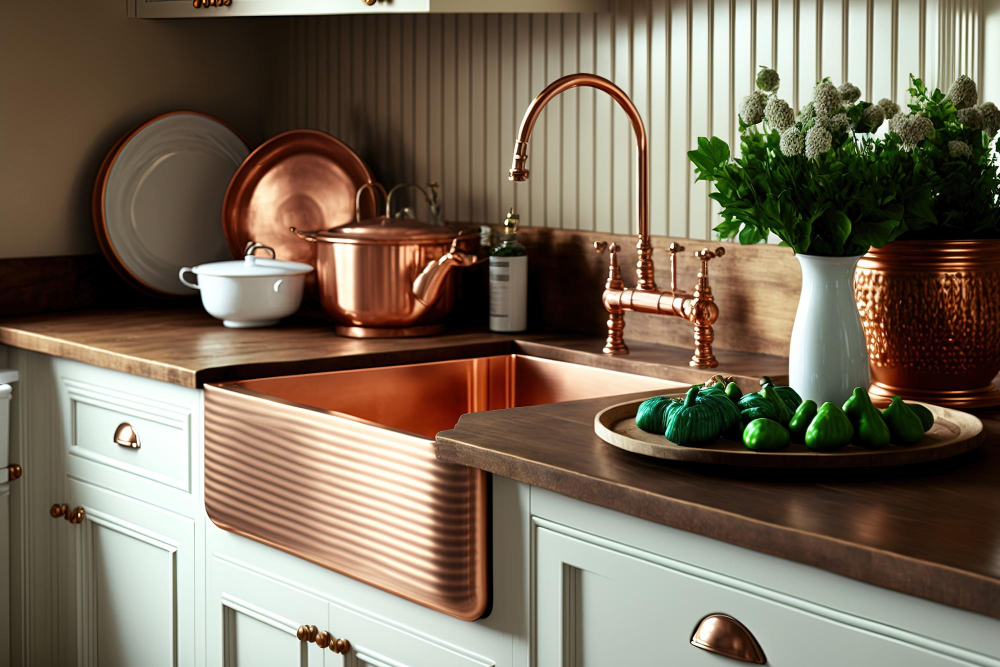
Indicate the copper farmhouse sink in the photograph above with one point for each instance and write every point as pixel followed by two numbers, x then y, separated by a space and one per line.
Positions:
pixel 339 468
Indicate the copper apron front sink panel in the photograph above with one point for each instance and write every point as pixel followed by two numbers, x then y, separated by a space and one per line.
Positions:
pixel 339 468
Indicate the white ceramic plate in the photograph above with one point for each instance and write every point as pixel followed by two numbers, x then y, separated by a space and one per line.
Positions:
pixel 158 200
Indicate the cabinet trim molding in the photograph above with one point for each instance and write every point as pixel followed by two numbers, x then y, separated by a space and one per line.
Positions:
pixel 799 604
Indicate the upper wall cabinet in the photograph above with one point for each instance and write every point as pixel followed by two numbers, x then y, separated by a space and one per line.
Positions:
pixel 175 9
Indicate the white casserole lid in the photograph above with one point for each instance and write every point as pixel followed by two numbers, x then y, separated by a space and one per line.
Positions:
pixel 250 267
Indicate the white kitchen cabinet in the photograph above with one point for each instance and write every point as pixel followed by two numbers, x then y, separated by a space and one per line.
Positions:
pixel 130 594
pixel 168 9
pixel 612 589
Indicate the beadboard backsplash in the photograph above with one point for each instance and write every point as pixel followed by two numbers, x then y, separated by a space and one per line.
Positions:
pixel 440 97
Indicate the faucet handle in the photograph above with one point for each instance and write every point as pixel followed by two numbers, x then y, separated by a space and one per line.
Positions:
pixel 705 254
pixel 614 271
pixel 675 248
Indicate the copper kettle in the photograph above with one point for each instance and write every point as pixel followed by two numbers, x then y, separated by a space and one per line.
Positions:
pixel 389 276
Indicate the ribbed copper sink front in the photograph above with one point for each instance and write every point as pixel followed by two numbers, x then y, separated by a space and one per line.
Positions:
pixel 339 468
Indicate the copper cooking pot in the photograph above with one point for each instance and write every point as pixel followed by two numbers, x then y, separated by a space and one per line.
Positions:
pixel 387 276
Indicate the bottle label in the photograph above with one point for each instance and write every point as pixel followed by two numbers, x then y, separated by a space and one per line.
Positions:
pixel 508 293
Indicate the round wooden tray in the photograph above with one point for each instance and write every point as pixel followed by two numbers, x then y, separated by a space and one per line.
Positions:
pixel 953 433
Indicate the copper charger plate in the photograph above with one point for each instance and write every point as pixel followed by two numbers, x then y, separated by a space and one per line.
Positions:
pixel 953 433
pixel 303 178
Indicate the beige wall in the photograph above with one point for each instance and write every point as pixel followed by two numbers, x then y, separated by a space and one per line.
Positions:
pixel 440 97
pixel 75 75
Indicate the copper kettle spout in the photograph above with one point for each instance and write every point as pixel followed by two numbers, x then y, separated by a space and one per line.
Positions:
pixel 428 285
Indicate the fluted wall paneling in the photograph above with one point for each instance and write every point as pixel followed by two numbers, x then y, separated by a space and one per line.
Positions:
pixel 440 97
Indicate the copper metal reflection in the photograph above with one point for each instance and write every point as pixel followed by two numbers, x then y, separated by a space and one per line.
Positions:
pixel 699 307
pixel 932 320
pixel 339 468
pixel 724 635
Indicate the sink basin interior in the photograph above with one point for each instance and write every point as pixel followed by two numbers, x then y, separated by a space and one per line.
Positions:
pixel 423 399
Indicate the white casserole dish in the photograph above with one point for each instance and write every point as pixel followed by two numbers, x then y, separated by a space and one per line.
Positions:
pixel 252 292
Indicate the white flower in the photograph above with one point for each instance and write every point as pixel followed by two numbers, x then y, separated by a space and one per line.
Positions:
pixel 767 79
pixel 991 117
pixel 807 113
pixel 752 109
pixel 837 123
pixel 818 141
pixel 971 117
pixel 792 142
pixel 778 114
pixel 889 108
pixel 963 93
pixel 911 129
pixel 871 118
pixel 826 99
pixel 849 92
pixel 959 149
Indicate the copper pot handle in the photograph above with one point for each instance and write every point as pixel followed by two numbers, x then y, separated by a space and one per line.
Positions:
pixel 373 187
pixel 305 236
pixel 396 188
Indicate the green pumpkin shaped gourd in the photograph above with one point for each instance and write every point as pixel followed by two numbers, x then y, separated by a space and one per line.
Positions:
pixel 904 425
pixel 754 406
pixel 870 430
pixel 652 414
pixel 699 420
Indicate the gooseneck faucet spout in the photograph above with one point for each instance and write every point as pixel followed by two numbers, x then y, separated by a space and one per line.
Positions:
pixel 697 307
pixel 519 171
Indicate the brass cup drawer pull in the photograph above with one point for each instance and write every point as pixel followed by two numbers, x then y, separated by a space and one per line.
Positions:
pixel 323 639
pixel 14 471
pixel 74 516
pixel 125 436
pixel 724 635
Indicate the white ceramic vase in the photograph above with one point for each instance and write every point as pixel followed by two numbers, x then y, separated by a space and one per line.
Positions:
pixel 827 358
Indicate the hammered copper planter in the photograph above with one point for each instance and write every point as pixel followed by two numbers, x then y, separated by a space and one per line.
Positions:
pixel 931 314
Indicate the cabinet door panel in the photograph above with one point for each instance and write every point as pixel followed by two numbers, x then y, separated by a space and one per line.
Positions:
pixel 253 619
pixel 132 565
pixel 596 606
pixel 377 642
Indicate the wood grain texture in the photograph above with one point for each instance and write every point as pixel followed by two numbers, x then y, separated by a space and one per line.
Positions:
pixel 186 346
pixel 756 288
pixel 953 433
pixel 931 530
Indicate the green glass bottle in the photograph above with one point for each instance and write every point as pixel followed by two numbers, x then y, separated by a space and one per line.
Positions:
pixel 509 280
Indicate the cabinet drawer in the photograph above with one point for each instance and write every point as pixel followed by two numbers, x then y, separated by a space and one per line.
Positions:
pixel 596 605
pixel 138 426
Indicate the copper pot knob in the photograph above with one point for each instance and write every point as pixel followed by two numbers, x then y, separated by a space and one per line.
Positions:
pixel 307 633
pixel 724 635
pixel 14 471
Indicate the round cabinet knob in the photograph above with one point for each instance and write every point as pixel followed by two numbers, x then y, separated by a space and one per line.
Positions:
pixel 724 635
pixel 341 646
pixel 323 639
pixel 76 516
pixel 125 436
pixel 307 633
pixel 14 471
pixel 58 510
pixel 369 2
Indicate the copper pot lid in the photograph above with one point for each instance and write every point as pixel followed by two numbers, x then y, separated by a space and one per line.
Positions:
pixel 386 229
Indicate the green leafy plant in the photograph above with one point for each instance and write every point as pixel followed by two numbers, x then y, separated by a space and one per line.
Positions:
pixel 819 182
pixel 947 137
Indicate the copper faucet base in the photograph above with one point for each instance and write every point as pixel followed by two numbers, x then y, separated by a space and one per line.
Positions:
pixel 389 332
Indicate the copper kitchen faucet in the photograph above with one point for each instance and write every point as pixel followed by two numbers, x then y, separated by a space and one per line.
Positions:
pixel 699 307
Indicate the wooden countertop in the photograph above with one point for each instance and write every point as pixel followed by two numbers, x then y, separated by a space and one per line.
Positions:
pixel 188 347
pixel 932 531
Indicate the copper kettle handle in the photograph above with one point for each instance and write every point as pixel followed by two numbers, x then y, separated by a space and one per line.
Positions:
pixel 396 188
pixel 373 187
